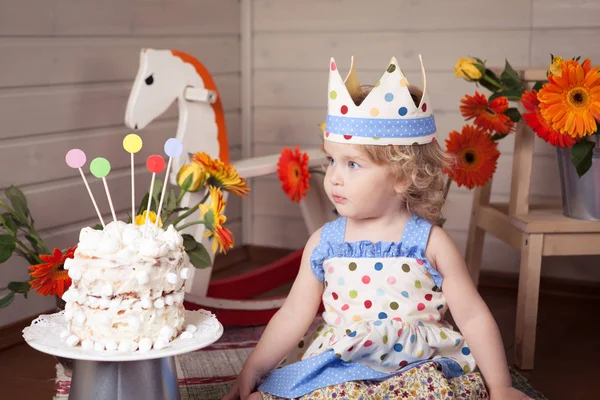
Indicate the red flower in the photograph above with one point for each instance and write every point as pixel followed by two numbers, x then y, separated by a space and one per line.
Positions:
pixel 292 169
pixel 50 277
pixel 475 156
pixel 489 116
pixel 536 121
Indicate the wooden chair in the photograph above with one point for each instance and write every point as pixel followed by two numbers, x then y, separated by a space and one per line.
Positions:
pixel 535 230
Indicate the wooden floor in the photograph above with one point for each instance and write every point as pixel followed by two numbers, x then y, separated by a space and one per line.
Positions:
pixel 567 354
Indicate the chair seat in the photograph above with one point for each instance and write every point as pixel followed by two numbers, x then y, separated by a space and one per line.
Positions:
pixel 562 235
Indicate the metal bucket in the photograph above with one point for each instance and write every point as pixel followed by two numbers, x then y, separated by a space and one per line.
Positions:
pixel 580 196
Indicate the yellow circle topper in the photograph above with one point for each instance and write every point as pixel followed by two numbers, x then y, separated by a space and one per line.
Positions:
pixel 132 143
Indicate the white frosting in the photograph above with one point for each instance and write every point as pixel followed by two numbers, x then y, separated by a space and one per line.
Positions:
pixel 127 289
pixel 186 335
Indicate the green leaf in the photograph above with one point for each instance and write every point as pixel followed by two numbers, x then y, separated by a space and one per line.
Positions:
pixel 10 222
pixel 7 247
pixel 189 243
pixel 19 287
pixel 510 78
pixel 199 257
pixel 511 95
pixel 581 156
pixel 36 243
pixel 497 136
pixel 513 114
pixel 157 188
pixel 538 85
pixel 19 203
pixel 98 227
pixel 6 300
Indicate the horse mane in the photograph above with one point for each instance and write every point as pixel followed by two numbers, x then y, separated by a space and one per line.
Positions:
pixel 209 84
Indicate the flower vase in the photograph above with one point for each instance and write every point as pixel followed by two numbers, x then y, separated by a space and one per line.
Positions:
pixel 67 363
pixel 580 196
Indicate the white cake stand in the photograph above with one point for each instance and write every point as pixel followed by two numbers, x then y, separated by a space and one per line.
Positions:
pixel 115 375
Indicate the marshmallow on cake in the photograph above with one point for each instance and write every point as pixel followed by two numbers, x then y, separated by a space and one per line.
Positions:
pixel 127 291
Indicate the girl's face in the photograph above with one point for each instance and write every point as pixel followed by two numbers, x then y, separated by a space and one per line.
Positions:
pixel 358 187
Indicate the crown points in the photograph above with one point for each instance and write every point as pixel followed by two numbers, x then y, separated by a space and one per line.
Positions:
pixel 387 115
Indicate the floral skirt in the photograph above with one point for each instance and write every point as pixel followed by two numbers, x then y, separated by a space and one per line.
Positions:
pixel 425 381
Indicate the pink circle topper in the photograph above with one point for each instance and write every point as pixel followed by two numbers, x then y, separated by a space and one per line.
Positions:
pixel 155 164
pixel 75 158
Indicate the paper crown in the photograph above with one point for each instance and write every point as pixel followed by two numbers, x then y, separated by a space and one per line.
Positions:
pixel 387 115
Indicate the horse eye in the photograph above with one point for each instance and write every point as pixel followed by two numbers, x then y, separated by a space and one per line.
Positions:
pixel 149 80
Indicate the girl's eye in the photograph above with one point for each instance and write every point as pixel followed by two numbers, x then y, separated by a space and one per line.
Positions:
pixel 353 165
pixel 330 159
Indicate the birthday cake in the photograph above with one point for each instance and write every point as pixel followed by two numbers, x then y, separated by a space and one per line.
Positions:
pixel 127 291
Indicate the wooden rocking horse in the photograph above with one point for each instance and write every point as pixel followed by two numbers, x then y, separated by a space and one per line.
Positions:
pixel 165 76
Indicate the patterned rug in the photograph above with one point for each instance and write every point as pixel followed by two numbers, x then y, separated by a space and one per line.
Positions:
pixel 207 374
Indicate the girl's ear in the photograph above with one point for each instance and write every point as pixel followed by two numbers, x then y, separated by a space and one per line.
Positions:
pixel 401 185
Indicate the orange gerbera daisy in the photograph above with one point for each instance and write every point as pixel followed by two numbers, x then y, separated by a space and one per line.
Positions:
pixel 571 102
pixel 50 277
pixel 489 116
pixel 222 175
pixel 475 156
pixel 292 169
pixel 539 125
pixel 212 215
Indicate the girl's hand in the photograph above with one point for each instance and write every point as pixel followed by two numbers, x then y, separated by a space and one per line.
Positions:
pixel 245 384
pixel 508 393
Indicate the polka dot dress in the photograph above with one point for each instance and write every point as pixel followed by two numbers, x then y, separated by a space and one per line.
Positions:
pixel 383 315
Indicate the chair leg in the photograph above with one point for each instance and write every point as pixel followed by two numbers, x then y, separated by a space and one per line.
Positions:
pixel 474 251
pixel 475 239
pixel 527 305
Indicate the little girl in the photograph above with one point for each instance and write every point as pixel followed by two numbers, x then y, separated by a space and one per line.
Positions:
pixel 384 271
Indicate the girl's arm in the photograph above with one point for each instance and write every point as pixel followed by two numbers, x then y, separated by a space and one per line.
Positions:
pixel 470 311
pixel 292 320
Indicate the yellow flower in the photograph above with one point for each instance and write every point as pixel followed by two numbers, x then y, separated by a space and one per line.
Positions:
pixel 196 171
pixel 141 219
pixel 556 66
pixel 469 69
pixel 221 175
pixel 212 215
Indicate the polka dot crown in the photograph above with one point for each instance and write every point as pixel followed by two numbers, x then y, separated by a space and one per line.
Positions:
pixel 388 115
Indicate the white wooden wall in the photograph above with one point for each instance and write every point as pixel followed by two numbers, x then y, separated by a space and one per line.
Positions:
pixel 65 73
pixel 293 41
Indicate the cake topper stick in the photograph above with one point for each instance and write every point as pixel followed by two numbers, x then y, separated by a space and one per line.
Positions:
pixel 100 168
pixel 155 164
pixel 132 144
pixel 173 148
pixel 75 158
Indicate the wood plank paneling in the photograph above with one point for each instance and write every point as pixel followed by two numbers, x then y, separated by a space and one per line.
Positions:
pixel 186 17
pixel 41 158
pixel 364 16
pixel 72 107
pixel 26 18
pixel 565 14
pixel 84 17
pixel 372 50
pixel 51 61
pixel 568 44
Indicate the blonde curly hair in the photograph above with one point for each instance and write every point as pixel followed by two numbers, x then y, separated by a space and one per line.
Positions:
pixel 419 167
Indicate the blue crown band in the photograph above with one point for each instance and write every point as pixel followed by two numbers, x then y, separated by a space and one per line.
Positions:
pixel 381 128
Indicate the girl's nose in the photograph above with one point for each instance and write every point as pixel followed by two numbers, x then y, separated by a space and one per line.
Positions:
pixel 334 176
